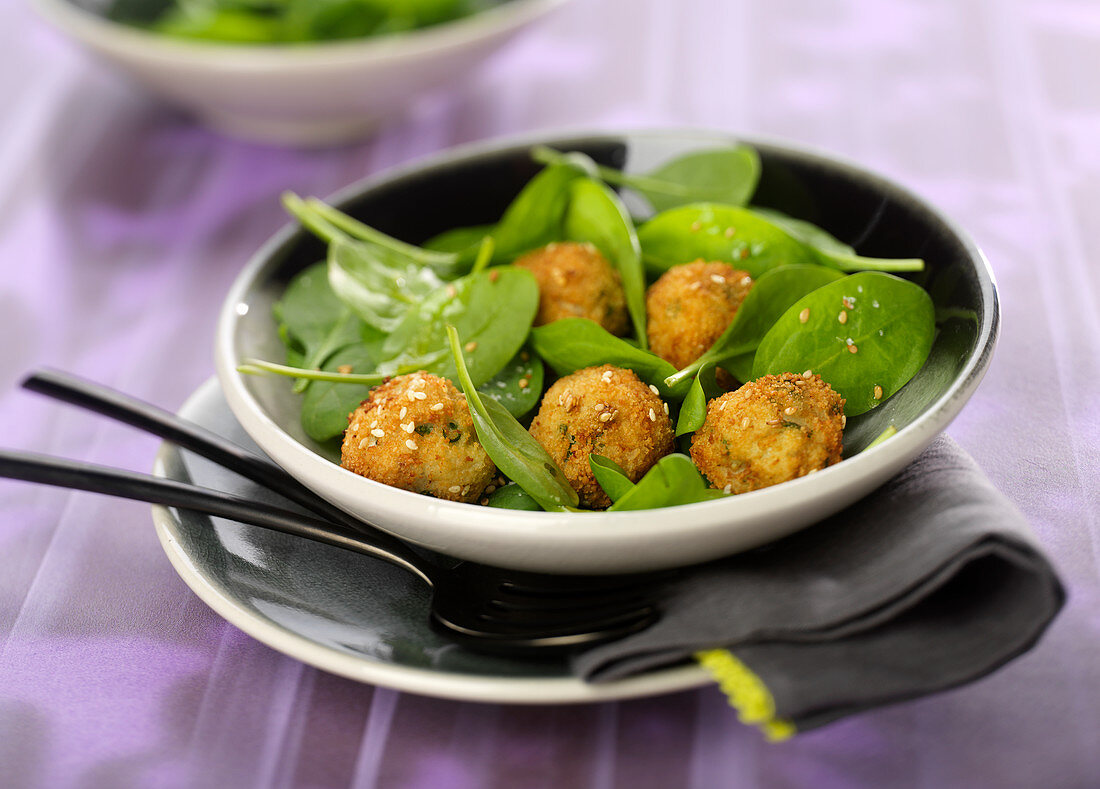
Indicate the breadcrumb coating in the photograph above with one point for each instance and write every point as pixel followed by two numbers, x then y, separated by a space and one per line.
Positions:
pixel 415 432
pixel 771 430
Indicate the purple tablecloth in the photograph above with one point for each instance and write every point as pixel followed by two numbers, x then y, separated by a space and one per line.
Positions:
pixel 122 224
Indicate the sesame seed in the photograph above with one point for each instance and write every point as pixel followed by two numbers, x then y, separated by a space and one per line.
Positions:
pixel 403 412
pixel 721 406
pixel 452 291
pixel 494 275
pixel 774 422
pixel 728 489
pixel 718 279
pixel 599 407
pixel 745 422
pixel 484 501
pixel 344 369
pixel 849 302
pixel 523 383
pixel 363 443
pixel 843 420
pixel 410 443
pixel 607 416
pixel 790 410
pixel 454 489
pixel 852 348
pixel 437 407
pixel 655 390
pixel 666 408
pixel 378 433
pixel 489 489
pixel 729 232
pixel 408 428
pixel 878 392
pixel 695 226
pixel 561 399
pixel 652 416
pixel 606 377
pixel 418 383
pixel 410 394
pixel 804 315
pixel 552 246
pixel 470 347
pixel 695 286
pixel 744 253
pixel 746 281
pixel 420 396
pixel 374 423
pixel 842 317
pixel 808 374
pixel 524 356
pixel 569 402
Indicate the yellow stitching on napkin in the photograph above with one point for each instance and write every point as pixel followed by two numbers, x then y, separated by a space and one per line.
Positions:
pixel 746 693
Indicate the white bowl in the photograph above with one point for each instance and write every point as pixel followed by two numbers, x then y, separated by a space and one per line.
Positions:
pixel 310 94
pixel 471 185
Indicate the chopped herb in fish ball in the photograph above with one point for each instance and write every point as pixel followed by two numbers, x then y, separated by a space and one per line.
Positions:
pixel 605 411
pixel 415 432
pixel 771 430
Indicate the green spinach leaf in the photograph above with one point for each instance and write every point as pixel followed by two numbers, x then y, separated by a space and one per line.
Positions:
pixel 746 239
pixel 693 411
pixel 535 217
pixel 518 385
pixel 720 175
pixel 314 323
pixel 770 296
pixel 327 404
pixel 575 343
pixel 515 451
pixel 888 328
pixel 459 239
pixel 611 476
pixel 596 214
pixel 381 285
pixel 513 497
pixel 673 480
pixel 714 232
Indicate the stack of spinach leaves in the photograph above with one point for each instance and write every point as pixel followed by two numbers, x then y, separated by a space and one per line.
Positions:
pixel 379 307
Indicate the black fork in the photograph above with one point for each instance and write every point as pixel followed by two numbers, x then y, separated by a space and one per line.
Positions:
pixel 483 607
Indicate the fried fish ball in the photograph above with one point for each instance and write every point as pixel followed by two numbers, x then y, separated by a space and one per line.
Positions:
pixel 576 281
pixel 689 307
pixel 608 411
pixel 415 432
pixel 771 430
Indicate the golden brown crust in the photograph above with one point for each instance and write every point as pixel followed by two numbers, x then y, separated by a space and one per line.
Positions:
pixel 771 430
pixel 689 307
pixel 415 432
pixel 608 411
pixel 576 281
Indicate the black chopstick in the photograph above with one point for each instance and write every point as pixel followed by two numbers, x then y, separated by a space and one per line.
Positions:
pixel 108 402
pixel 78 475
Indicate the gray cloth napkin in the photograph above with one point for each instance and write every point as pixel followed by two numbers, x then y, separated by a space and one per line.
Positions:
pixel 931 581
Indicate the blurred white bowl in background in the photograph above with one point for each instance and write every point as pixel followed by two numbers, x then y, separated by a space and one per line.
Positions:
pixel 303 94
